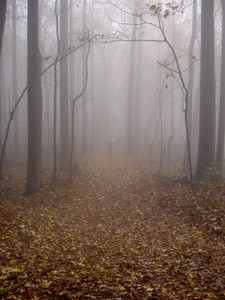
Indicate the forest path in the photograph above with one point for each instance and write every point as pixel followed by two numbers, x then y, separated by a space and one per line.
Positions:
pixel 117 232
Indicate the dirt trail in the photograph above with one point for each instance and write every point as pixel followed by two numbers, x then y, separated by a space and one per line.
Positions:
pixel 117 232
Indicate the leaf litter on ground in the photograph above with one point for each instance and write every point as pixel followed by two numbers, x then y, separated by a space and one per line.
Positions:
pixel 116 232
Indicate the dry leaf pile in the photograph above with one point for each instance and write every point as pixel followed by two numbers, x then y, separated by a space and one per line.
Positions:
pixel 116 232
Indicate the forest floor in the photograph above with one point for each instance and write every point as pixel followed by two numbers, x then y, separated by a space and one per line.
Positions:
pixel 116 232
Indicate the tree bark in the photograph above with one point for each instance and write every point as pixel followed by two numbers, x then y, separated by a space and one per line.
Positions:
pixel 3 4
pixel 130 100
pixel 84 106
pixel 206 147
pixel 221 125
pixel 92 88
pixel 170 140
pixel 34 94
pixel 190 82
pixel 14 81
pixel 55 153
pixel 64 104
pixel 137 92
pixel 73 112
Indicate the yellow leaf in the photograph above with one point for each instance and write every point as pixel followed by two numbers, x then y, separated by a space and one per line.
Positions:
pixel 122 288
pixel 99 267
pixel 3 277
pixel 148 289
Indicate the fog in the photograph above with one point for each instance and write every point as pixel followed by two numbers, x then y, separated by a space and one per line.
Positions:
pixel 134 94
pixel 112 133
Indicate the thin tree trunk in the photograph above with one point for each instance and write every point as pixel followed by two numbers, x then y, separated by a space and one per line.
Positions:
pixel 55 153
pixel 172 111
pixel 14 81
pixel 92 104
pixel 130 100
pixel 73 112
pixel 2 156
pixel 137 94
pixel 64 99
pixel 71 57
pixel 3 4
pixel 161 96
pixel 92 89
pixel 190 82
pixel 185 93
pixel 84 106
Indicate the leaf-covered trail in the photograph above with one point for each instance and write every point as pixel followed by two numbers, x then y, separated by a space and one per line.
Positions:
pixel 117 232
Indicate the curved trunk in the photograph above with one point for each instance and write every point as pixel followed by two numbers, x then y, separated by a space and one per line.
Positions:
pixel 190 83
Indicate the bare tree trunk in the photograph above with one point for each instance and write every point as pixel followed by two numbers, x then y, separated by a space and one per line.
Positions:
pixel 105 91
pixel 172 111
pixel 221 125
pixel 92 103
pixel 130 100
pixel 84 106
pixel 64 104
pixel 206 147
pixel 71 57
pixel 185 93
pixel 161 96
pixel 92 87
pixel 3 4
pixel 73 111
pixel 34 101
pixel 190 82
pixel 55 153
pixel 137 94
pixel 72 138
pixel 21 97
pixel 14 81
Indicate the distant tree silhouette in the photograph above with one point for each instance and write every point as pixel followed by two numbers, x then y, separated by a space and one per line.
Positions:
pixel 221 124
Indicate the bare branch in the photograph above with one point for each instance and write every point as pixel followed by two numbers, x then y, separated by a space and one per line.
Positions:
pixel 25 90
pixel 126 23
pixel 86 78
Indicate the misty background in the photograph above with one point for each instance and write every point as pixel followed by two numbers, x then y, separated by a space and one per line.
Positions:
pixel 118 81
